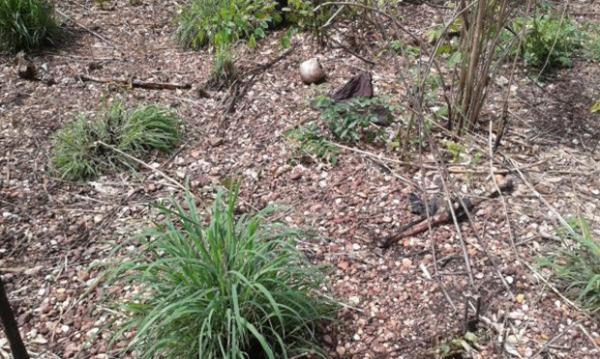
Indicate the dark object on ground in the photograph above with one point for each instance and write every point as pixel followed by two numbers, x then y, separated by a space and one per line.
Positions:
pixel 384 116
pixel 137 83
pixel 460 212
pixel 471 323
pixel 422 224
pixel 26 70
pixel 280 7
pixel 417 205
pixel 11 327
pixel 358 86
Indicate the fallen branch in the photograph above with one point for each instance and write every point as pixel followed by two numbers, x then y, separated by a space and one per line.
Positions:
pixel 136 83
pixel 159 172
pixel 110 42
pixel 453 169
pixel 398 27
pixel 353 53
pixel 239 88
pixel 144 164
pixel 422 224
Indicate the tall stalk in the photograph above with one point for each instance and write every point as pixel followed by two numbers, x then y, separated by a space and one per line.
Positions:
pixel 11 328
pixel 483 23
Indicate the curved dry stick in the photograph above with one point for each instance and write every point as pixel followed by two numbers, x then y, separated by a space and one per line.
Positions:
pixel 11 327
pixel 373 9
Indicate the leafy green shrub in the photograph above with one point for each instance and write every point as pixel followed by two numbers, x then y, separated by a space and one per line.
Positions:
pixel 464 346
pixel 448 37
pixel 577 266
pixel 454 149
pixel 591 42
pixel 26 24
pixel 351 120
pixel 310 143
pixel 233 288
pixel 205 22
pixel 78 154
pixel 550 40
pixel 301 14
pixel 400 48
pixel 218 22
pixel 595 107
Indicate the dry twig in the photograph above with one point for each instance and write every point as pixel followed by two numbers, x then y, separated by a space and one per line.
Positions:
pixel 455 211
pixel 136 83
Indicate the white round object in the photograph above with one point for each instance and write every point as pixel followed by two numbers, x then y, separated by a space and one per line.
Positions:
pixel 311 71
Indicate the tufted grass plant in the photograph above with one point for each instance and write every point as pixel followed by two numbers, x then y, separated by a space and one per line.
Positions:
pixel 232 287
pixel 223 72
pixel 149 128
pixel 75 154
pixel 85 149
pixel 26 24
pixel 576 264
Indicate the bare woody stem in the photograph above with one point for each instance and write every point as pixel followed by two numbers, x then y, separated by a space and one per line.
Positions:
pixel 11 327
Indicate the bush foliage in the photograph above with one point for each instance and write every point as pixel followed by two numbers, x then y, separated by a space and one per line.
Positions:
pixel 235 287
pixel 26 24
pixel 309 144
pixel 355 119
pixel 218 22
pixel 550 40
pixel 79 154
pixel 591 42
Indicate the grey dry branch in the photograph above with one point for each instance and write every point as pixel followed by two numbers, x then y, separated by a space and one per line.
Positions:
pixel 231 288
pixel 134 83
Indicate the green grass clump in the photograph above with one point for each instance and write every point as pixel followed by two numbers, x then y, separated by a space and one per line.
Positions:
pixel 235 287
pixel 577 264
pixel 78 152
pixel 26 24
pixel 149 128
pixel 223 71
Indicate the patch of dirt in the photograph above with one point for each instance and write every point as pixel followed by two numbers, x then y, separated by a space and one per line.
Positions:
pixel 401 303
